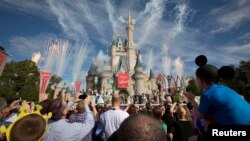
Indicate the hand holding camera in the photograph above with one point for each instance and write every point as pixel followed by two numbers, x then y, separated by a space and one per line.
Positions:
pixel 86 101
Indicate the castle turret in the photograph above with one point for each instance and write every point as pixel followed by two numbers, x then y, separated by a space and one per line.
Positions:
pixel 139 75
pixel 152 81
pixel 131 52
pixel 106 80
pixel 151 75
pixel 90 78
pixel 117 51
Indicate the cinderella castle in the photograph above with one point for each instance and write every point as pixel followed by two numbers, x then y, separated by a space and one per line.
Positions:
pixel 124 73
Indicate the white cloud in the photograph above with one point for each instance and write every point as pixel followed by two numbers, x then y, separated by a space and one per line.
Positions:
pixel 26 46
pixel 231 15
pixel 80 56
pixel 239 49
pixel 69 19
pixel 245 36
pixel 101 61
pixel 35 7
pixel 149 19
pixel 112 15
pixel 122 20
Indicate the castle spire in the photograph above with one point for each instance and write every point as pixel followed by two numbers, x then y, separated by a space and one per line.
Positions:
pixel 130 30
pixel 130 45
pixel 139 60
pixel 129 18
pixel 151 75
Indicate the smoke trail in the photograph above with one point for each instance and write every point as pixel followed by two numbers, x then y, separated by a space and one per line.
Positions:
pixel 50 55
pixel 112 17
pixel 181 16
pixel 179 65
pixel 166 62
pixel 87 12
pixel 150 60
pixel 80 56
pixel 62 53
pixel 69 19
pixel 36 57
pixel 101 61
pixel 152 14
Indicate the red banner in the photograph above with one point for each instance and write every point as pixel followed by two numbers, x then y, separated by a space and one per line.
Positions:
pixel 3 57
pixel 44 81
pixel 78 86
pixel 123 79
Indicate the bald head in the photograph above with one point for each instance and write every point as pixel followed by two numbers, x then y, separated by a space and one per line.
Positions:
pixel 141 127
pixel 116 99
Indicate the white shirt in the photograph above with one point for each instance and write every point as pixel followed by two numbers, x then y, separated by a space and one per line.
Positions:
pixel 62 130
pixel 111 121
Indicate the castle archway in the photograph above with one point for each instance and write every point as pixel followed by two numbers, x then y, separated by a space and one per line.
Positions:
pixel 124 96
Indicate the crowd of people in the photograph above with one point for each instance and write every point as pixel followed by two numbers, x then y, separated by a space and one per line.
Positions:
pixel 84 120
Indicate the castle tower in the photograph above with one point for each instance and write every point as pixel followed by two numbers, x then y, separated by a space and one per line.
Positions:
pixel 90 78
pixel 152 81
pixel 139 75
pixel 131 52
pixel 117 51
pixel 106 80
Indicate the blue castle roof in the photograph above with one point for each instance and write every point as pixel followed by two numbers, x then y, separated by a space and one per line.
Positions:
pixel 93 69
pixel 119 39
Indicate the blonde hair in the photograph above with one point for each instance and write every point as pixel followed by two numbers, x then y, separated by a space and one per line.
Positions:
pixel 183 112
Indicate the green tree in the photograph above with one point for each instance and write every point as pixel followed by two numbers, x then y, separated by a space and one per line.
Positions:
pixel 239 83
pixel 20 79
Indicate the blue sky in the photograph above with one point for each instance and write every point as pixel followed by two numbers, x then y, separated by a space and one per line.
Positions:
pixel 219 29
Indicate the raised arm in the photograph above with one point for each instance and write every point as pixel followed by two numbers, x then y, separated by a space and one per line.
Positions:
pixel 191 98
pixel 88 125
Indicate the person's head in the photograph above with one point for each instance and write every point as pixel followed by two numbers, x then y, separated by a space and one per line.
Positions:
pixel 69 113
pixel 132 109
pixel 209 74
pixel 206 75
pixel 190 106
pixel 80 107
pixel 29 128
pixel 99 109
pixel 58 109
pixel 158 112
pixel 141 127
pixel 116 101
pixel 46 105
pixel 182 112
